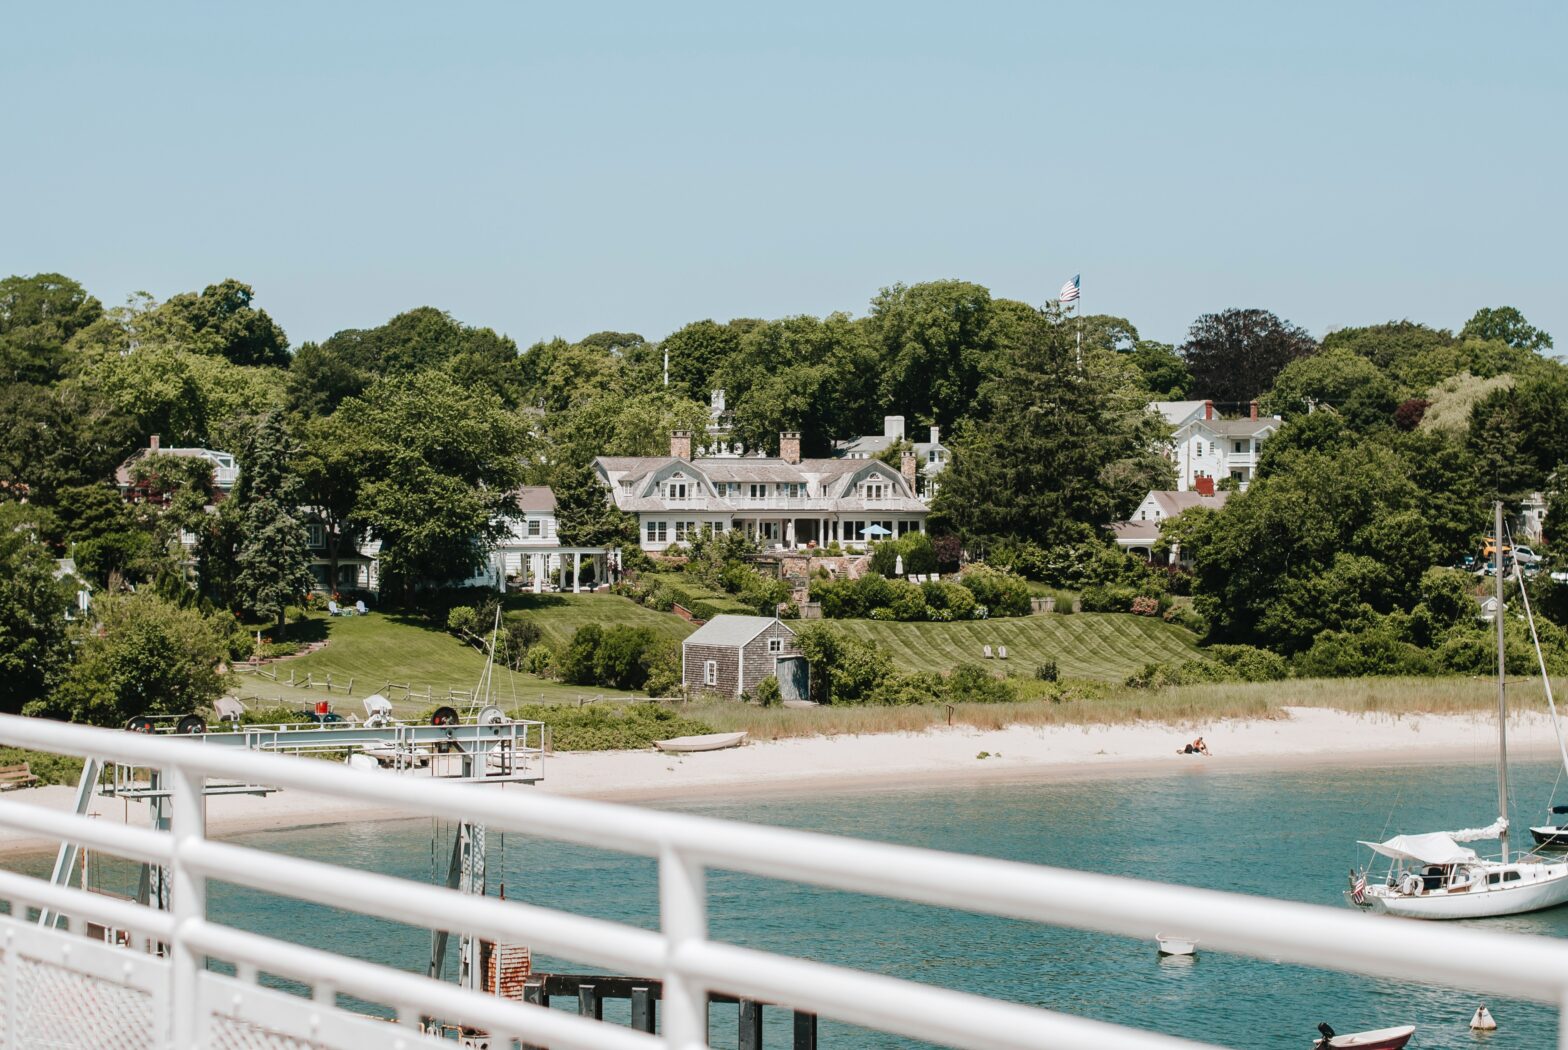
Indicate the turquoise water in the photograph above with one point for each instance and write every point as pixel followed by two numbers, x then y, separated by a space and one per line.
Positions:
pixel 1287 835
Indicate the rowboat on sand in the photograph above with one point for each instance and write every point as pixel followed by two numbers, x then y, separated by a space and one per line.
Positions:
pixel 704 742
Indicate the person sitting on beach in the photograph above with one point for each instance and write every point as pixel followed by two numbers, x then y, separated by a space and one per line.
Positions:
pixel 1197 747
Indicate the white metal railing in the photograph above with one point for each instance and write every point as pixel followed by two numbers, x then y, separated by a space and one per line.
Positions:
pixel 187 1004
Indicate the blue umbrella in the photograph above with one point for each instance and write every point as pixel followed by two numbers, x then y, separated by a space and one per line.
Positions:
pixel 877 530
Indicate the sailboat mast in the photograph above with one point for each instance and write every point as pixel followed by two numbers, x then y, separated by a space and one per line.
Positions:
pixel 1502 689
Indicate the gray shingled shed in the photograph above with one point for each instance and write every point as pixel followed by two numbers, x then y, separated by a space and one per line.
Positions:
pixel 731 655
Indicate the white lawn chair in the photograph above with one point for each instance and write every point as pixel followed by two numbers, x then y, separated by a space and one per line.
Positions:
pixel 332 608
pixel 1001 652
pixel 987 652
pixel 378 710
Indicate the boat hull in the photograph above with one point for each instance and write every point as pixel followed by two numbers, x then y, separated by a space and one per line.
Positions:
pixel 1548 889
pixel 1382 1039
pixel 1550 836
pixel 706 742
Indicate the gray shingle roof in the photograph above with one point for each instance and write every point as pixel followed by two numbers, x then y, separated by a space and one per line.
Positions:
pixel 730 629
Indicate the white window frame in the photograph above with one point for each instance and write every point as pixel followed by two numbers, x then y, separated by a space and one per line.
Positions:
pixel 315 535
pixel 535 528
pixel 658 531
pixel 775 646
pixel 759 491
pixel 710 672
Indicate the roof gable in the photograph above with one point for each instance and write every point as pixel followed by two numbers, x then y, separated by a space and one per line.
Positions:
pixel 730 629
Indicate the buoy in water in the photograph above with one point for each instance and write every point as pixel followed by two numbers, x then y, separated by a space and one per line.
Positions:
pixel 1482 1021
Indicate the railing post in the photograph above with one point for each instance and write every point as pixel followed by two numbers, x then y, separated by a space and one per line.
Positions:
pixel 188 902
pixel 683 917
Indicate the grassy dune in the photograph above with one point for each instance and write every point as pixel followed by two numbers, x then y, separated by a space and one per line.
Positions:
pixel 1103 646
pixel 1113 705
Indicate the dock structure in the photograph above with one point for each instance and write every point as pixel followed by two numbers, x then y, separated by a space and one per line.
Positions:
pixel 105 972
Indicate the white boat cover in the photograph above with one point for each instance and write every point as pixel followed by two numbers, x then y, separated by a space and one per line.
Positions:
pixel 1433 848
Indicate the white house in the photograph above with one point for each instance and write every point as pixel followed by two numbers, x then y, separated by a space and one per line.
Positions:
pixel 781 501
pixel 1139 533
pixel 931 456
pixel 1206 449
pixel 532 555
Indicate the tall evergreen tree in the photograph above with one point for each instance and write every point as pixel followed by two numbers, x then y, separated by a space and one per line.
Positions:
pixel 274 556
pixel 1029 465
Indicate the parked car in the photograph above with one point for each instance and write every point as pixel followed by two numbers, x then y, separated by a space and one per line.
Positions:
pixel 1525 556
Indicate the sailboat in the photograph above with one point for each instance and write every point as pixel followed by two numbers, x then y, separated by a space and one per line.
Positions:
pixel 1434 876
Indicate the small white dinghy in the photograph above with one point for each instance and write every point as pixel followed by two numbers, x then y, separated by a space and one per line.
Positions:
pixel 1176 945
pixel 1380 1039
pixel 705 742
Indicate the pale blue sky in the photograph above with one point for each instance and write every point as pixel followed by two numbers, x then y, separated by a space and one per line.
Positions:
pixel 557 169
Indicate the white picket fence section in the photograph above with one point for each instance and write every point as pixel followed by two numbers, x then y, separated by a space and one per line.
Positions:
pixel 62 989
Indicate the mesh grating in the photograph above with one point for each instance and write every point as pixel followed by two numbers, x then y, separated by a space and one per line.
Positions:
pixel 228 1033
pixel 60 1009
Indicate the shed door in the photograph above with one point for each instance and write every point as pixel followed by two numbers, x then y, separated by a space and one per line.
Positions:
pixel 794 678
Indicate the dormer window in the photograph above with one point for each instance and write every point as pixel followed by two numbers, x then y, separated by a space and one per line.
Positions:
pixel 874 490
pixel 675 490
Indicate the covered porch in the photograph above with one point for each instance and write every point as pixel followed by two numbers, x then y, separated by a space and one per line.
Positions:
pixel 797 532
pixel 556 568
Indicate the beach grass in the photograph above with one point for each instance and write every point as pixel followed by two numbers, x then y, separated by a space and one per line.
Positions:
pixel 1089 703
pixel 1103 646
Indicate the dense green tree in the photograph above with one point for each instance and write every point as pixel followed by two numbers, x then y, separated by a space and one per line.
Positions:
pixel 38 317
pixel 1351 385
pixel 1164 373
pixel 57 437
pixel 1413 356
pixel 1327 539
pixel 346 364
pixel 1519 435
pixel 557 375
pixel 932 340
pixel 637 425
pixel 1235 354
pixel 585 514
pixel 274 554
pixel 1506 324
pixel 1028 464
pixel 142 656
pixel 1106 332
pixel 221 320
pixel 439 465
pixel 698 351
pixel 801 373
pixel 327 465
pixel 32 610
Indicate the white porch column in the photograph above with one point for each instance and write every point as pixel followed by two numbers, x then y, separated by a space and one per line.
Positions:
pixel 536 573
pixel 577 570
pixel 789 532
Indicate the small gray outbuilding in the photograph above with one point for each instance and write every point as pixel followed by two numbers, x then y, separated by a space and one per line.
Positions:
pixel 731 655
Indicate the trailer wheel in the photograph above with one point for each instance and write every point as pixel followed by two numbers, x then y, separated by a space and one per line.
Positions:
pixel 191 725
pixel 444 716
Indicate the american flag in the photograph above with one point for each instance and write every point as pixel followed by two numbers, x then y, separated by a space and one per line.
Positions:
pixel 1069 291
pixel 1358 889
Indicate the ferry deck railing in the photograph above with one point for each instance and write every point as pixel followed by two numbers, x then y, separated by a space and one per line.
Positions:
pixel 60 988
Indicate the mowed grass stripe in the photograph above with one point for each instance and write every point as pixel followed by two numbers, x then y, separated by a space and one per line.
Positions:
pixel 1090 645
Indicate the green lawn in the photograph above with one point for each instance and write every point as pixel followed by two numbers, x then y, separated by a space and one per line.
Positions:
pixel 559 615
pixel 1107 646
pixel 378 649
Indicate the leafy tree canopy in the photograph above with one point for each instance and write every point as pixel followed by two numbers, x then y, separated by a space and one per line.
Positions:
pixel 38 317
pixel 438 465
pixel 221 320
pixel 1165 374
pixel 346 364
pixel 1506 324
pixel 1349 384
pixel 32 610
pixel 143 656
pixel 1235 354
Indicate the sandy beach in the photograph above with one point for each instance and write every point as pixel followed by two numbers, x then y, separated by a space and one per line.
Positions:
pixel 944 757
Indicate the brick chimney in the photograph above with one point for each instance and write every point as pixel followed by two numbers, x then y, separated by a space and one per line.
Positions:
pixel 906 467
pixel 1252 411
pixel 680 444
pixel 152 443
pixel 1208 410
pixel 789 446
